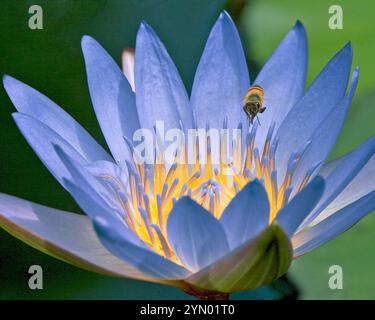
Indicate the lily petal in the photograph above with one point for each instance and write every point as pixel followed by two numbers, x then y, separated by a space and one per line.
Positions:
pixel 221 79
pixel 257 262
pixel 291 216
pixel 161 95
pixel 100 169
pixel 31 102
pixel 324 138
pixel 301 122
pixel 341 172
pixel 81 176
pixel 42 139
pixel 128 66
pixel 196 237
pixel 122 242
pixel 67 236
pixel 112 98
pixel 315 236
pixel 135 253
pixel 247 215
pixel 283 79
pixel 112 230
pixel 360 186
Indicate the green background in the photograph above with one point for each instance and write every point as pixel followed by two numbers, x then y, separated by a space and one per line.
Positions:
pixel 50 60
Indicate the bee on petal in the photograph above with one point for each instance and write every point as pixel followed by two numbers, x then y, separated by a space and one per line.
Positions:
pixel 253 102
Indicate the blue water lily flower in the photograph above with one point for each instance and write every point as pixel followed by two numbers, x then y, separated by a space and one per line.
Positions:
pixel 192 226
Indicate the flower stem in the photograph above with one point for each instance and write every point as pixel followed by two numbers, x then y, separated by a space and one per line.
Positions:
pixel 206 295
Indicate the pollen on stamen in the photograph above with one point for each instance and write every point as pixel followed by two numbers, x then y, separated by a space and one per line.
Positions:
pixel 154 188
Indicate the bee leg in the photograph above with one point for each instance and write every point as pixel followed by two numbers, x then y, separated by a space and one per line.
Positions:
pixel 258 121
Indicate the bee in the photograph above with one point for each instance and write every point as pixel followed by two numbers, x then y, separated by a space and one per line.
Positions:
pixel 253 102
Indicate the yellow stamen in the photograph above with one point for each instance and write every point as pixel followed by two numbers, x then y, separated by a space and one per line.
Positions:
pixel 153 189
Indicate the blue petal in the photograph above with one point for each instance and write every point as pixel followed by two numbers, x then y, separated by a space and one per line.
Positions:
pixel 325 136
pixel 80 176
pixel 161 95
pixel 360 186
pixel 221 79
pixel 42 139
pixel 196 237
pixel 343 171
pixel 31 102
pixel 110 226
pixel 315 236
pixel 65 235
pixel 247 215
pixel 324 94
pixel 123 243
pixel 106 168
pixel 291 216
pixel 92 205
pixel 283 79
pixel 136 254
pixel 112 98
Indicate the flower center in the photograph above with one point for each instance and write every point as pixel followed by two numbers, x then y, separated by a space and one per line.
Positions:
pixel 154 188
